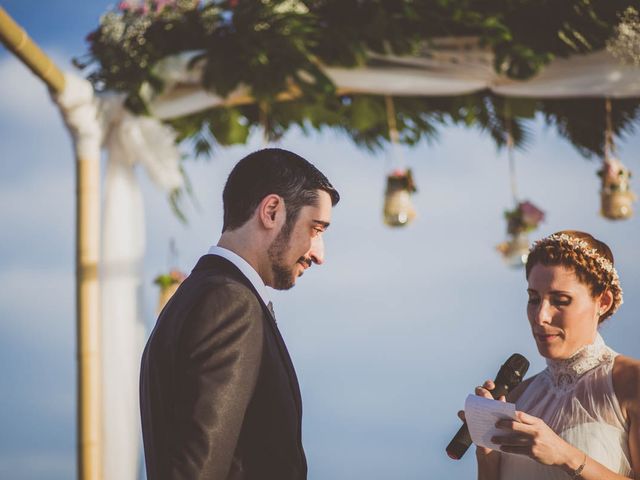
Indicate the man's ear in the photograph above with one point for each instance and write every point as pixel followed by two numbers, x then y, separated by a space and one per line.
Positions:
pixel 271 211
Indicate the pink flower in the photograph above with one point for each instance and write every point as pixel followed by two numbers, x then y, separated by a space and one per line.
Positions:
pixel 531 215
pixel 613 169
pixel 177 275
pixel 123 6
pixel 398 172
pixel 161 4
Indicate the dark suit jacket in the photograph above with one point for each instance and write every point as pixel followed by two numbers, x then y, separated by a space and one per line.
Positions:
pixel 219 397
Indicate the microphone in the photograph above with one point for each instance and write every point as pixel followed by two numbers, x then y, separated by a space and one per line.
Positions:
pixel 508 377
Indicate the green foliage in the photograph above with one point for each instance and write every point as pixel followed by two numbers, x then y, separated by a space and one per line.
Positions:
pixel 582 121
pixel 271 46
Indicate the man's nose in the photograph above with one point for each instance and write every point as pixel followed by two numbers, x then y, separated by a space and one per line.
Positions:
pixel 316 253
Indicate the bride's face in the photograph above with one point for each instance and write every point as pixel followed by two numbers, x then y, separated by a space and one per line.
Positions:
pixel 562 313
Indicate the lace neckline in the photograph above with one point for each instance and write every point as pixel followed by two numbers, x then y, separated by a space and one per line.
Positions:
pixel 566 372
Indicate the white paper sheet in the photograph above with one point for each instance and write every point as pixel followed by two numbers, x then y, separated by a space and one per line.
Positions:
pixel 482 414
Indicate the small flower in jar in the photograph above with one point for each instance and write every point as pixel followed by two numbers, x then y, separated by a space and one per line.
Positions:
pixel 531 215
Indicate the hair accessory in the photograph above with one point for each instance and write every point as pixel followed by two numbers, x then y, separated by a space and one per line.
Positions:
pixel 585 249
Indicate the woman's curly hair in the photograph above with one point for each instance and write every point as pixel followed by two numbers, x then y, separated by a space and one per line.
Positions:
pixel 590 259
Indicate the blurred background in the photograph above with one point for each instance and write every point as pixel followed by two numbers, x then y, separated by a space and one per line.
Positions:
pixel 388 337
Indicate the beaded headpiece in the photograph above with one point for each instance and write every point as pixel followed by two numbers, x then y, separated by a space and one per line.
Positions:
pixel 582 247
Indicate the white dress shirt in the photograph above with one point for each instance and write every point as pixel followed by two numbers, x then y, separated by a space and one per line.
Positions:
pixel 246 269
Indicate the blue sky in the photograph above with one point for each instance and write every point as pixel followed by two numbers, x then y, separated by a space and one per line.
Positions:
pixel 388 337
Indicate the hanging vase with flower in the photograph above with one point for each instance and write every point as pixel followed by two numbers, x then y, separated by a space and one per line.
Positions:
pixel 398 208
pixel 616 197
pixel 168 283
pixel 521 220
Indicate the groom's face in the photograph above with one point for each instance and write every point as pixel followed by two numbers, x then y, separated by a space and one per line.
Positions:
pixel 300 245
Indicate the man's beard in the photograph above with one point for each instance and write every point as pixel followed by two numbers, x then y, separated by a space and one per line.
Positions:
pixel 283 275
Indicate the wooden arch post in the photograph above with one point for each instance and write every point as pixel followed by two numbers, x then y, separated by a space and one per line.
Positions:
pixel 89 423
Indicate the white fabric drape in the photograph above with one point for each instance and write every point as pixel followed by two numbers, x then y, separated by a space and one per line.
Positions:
pixel 129 140
pixel 597 74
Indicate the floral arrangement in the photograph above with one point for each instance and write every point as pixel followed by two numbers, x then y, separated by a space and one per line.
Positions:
pixel 401 179
pixel 166 280
pixel 625 43
pixel 523 219
pixel 615 175
pixel 169 283
pixel 261 44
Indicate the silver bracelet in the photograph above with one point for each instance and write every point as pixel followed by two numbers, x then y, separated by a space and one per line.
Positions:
pixel 576 473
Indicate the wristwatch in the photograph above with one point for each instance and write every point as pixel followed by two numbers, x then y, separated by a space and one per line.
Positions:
pixel 576 473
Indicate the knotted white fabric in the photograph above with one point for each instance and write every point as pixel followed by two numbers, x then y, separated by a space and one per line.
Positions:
pixel 129 140
pixel 80 112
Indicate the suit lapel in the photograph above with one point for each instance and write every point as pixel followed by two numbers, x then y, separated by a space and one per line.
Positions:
pixel 222 265
pixel 286 359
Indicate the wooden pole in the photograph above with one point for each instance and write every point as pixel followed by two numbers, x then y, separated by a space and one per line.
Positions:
pixel 89 428
pixel 17 40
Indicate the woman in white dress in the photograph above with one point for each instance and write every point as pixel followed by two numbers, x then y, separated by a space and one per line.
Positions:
pixel 580 417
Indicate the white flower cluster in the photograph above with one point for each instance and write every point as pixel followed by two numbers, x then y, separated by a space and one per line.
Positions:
pixel 625 43
pixel 585 249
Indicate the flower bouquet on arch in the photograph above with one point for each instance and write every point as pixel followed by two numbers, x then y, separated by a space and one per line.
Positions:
pixel 524 218
pixel 398 209
pixel 616 197
pixel 168 283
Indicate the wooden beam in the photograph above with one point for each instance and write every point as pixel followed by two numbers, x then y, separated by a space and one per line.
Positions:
pixel 17 40
pixel 89 419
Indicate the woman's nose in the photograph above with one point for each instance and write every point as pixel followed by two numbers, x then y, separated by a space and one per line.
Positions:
pixel 543 313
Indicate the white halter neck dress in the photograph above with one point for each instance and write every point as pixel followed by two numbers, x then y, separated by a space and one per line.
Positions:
pixel 575 397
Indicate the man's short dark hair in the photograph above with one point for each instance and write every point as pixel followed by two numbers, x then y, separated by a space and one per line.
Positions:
pixel 272 171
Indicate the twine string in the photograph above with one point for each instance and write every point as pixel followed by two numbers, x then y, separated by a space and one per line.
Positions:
pixel 609 147
pixel 511 156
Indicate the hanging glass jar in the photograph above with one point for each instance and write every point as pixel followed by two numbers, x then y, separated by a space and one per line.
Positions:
pixel 515 250
pixel 616 197
pixel 398 208
pixel 521 220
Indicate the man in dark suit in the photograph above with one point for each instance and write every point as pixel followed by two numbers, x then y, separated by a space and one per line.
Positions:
pixel 218 393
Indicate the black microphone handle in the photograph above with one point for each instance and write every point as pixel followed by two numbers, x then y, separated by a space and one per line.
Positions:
pixel 460 443
pixel 509 376
pixel 462 439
